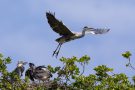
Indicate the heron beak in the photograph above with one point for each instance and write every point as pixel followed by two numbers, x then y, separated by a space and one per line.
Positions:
pixel 25 63
pixel 108 30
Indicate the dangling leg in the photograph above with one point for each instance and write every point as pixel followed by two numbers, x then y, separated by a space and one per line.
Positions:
pixel 56 49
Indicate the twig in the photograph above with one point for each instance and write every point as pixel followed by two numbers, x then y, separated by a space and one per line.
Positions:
pixel 130 64
pixel 83 69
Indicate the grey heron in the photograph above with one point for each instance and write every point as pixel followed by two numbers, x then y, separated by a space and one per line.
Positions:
pixel 30 72
pixel 17 71
pixel 66 34
pixel 20 68
pixel 39 72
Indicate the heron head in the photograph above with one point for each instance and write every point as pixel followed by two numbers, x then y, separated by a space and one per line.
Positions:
pixel 31 65
pixel 21 63
pixel 85 27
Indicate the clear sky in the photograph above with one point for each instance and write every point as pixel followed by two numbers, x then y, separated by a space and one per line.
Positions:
pixel 26 35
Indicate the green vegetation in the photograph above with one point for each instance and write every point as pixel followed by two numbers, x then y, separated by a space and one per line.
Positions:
pixel 69 77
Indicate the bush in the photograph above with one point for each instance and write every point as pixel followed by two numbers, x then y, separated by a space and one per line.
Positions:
pixel 68 77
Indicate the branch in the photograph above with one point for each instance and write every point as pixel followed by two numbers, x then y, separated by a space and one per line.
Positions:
pixel 130 65
pixel 83 69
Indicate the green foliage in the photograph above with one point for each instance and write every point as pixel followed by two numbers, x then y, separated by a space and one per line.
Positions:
pixel 127 54
pixel 68 77
pixel 9 80
pixel 133 78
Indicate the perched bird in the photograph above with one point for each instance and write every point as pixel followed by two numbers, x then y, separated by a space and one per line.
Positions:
pixel 30 72
pixel 67 35
pixel 39 73
pixel 18 71
pixel 20 68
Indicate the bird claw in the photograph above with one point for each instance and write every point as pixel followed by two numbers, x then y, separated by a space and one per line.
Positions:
pixel 57 54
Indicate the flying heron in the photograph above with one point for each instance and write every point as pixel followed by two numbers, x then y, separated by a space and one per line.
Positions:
pixel 39 72
pixel 67 35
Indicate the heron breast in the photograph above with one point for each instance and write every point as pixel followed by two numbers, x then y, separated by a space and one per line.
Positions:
pixel 64 39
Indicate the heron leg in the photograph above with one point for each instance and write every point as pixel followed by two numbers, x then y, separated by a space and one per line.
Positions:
pixel 21 74
pixel 56 49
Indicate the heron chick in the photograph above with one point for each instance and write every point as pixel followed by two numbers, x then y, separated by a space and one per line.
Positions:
pixel 20 68
pixel 39 73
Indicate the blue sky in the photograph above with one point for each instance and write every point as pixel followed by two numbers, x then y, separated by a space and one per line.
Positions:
pixel 26 35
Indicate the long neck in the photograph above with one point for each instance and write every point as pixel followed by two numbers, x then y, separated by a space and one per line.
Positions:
pixel 84 32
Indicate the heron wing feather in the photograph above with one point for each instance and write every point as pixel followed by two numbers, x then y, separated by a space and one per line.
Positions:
pixel 57 25
pixel 99 31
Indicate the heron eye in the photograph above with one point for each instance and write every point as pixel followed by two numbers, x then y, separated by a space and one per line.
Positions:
pixel 85 27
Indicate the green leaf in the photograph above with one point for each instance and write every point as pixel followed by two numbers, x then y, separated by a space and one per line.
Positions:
pixel 8 60
pixel 127 54
pixel 127 65
pixel 1 55
pixel 133 78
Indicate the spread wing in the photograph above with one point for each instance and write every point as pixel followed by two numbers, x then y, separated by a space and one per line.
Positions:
pixel 57 25
pixel 99 31
pixel 95 31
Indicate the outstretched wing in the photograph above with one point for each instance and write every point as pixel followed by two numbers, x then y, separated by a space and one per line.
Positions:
pixel 57 25
pixel 99 31
pixel 96 31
